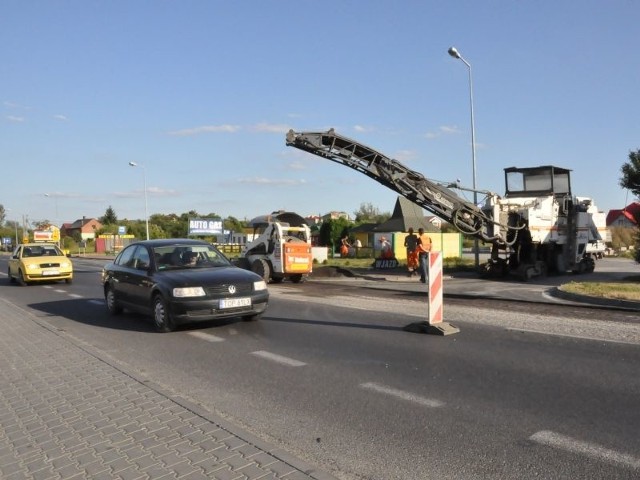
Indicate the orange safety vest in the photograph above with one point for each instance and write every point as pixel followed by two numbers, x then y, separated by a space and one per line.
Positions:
pixel 424 243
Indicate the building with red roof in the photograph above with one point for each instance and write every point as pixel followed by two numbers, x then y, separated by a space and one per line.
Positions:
pixel 626 217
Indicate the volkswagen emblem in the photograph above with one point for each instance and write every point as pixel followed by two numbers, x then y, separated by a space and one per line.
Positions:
pixel 232 289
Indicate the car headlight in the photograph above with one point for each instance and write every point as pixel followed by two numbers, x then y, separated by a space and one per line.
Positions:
pixel 188 292
pixel 259 285
pixel 65 264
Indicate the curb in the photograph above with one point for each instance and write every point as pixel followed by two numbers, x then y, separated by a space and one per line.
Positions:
pixel 595 301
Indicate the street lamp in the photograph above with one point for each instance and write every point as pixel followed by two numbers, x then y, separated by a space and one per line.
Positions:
pixel 455 54
pixel 146 209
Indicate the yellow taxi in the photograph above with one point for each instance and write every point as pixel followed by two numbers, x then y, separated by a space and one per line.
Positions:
pixel 39 262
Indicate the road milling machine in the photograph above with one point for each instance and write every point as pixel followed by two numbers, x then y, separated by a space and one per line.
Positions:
pixel 537 227
pixel 281 248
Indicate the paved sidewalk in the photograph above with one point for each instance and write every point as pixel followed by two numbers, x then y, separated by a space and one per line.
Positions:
pixel 67 413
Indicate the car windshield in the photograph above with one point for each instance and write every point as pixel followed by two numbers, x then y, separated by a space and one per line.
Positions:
pixel 41 251
pixel 189 256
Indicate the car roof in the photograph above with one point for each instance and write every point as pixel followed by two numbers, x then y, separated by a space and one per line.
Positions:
pixel 38 244
pixel 163 242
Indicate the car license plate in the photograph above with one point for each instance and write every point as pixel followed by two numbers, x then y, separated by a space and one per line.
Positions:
pixel 235 302
pixel 50 272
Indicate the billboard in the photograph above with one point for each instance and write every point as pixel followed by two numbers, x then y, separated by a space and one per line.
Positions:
pixel 205 226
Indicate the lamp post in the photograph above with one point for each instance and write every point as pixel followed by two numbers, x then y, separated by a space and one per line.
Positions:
pixel 146 209
pixel 455 54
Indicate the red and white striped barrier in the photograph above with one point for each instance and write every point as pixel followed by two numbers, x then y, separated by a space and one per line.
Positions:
pixel 436 305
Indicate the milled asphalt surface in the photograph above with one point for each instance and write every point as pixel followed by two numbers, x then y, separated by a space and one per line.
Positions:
pixel 468 285
pixel 67 412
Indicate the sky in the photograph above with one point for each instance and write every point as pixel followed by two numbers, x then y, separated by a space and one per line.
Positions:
pixel 200 94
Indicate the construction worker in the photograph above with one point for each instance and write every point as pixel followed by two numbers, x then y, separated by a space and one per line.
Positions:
pixel 411 244
pixel 424 247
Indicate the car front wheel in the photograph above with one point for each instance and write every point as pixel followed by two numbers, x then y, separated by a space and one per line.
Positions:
pixel 161 315
pixel 21 281
pixel 112 304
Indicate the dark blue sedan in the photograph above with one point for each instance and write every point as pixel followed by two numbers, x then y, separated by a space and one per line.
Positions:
pixel 179 281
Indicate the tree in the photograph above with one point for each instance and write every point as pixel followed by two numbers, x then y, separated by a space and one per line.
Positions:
pixel 331 231
pixel 631 181
pixel 3 214
pixel 233 224
pixel 110 217
pixel 367 213
pixel 42 224
pixel 631 173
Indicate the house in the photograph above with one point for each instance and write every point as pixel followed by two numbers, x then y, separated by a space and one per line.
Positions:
pixel 626 217
pixel 335 216
pixel 86 227
pixel 407 214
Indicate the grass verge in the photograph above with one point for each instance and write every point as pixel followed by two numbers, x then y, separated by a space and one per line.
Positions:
pixel 629 289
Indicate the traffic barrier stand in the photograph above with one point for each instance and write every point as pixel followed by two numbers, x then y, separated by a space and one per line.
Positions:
pixel 435 324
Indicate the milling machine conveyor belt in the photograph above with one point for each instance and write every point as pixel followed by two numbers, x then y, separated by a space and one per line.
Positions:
pixel 431 196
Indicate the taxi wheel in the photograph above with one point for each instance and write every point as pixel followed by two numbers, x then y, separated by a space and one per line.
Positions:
pixel 21 281
pixel 161 315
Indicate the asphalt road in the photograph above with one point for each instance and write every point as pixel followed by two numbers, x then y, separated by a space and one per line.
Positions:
pixel 330 375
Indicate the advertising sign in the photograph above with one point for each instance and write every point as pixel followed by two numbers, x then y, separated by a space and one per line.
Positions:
pixel 205 226
pixel 51 234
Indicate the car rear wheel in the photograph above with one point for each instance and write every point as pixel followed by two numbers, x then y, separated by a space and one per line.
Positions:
pixel 112 304
pixel 161 315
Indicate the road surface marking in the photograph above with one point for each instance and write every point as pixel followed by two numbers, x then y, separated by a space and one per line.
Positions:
pixel 278 358
pixel 96 302
pixel 206 336
pixel 591 450
pixel 75 295
pixel 427 402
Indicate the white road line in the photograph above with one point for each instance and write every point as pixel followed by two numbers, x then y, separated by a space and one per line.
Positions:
pixel 206 336
pixel 96 302
pixel 278 358
pixel 60 291
pixel 590 450
pixel 427 402
pixel 75 295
